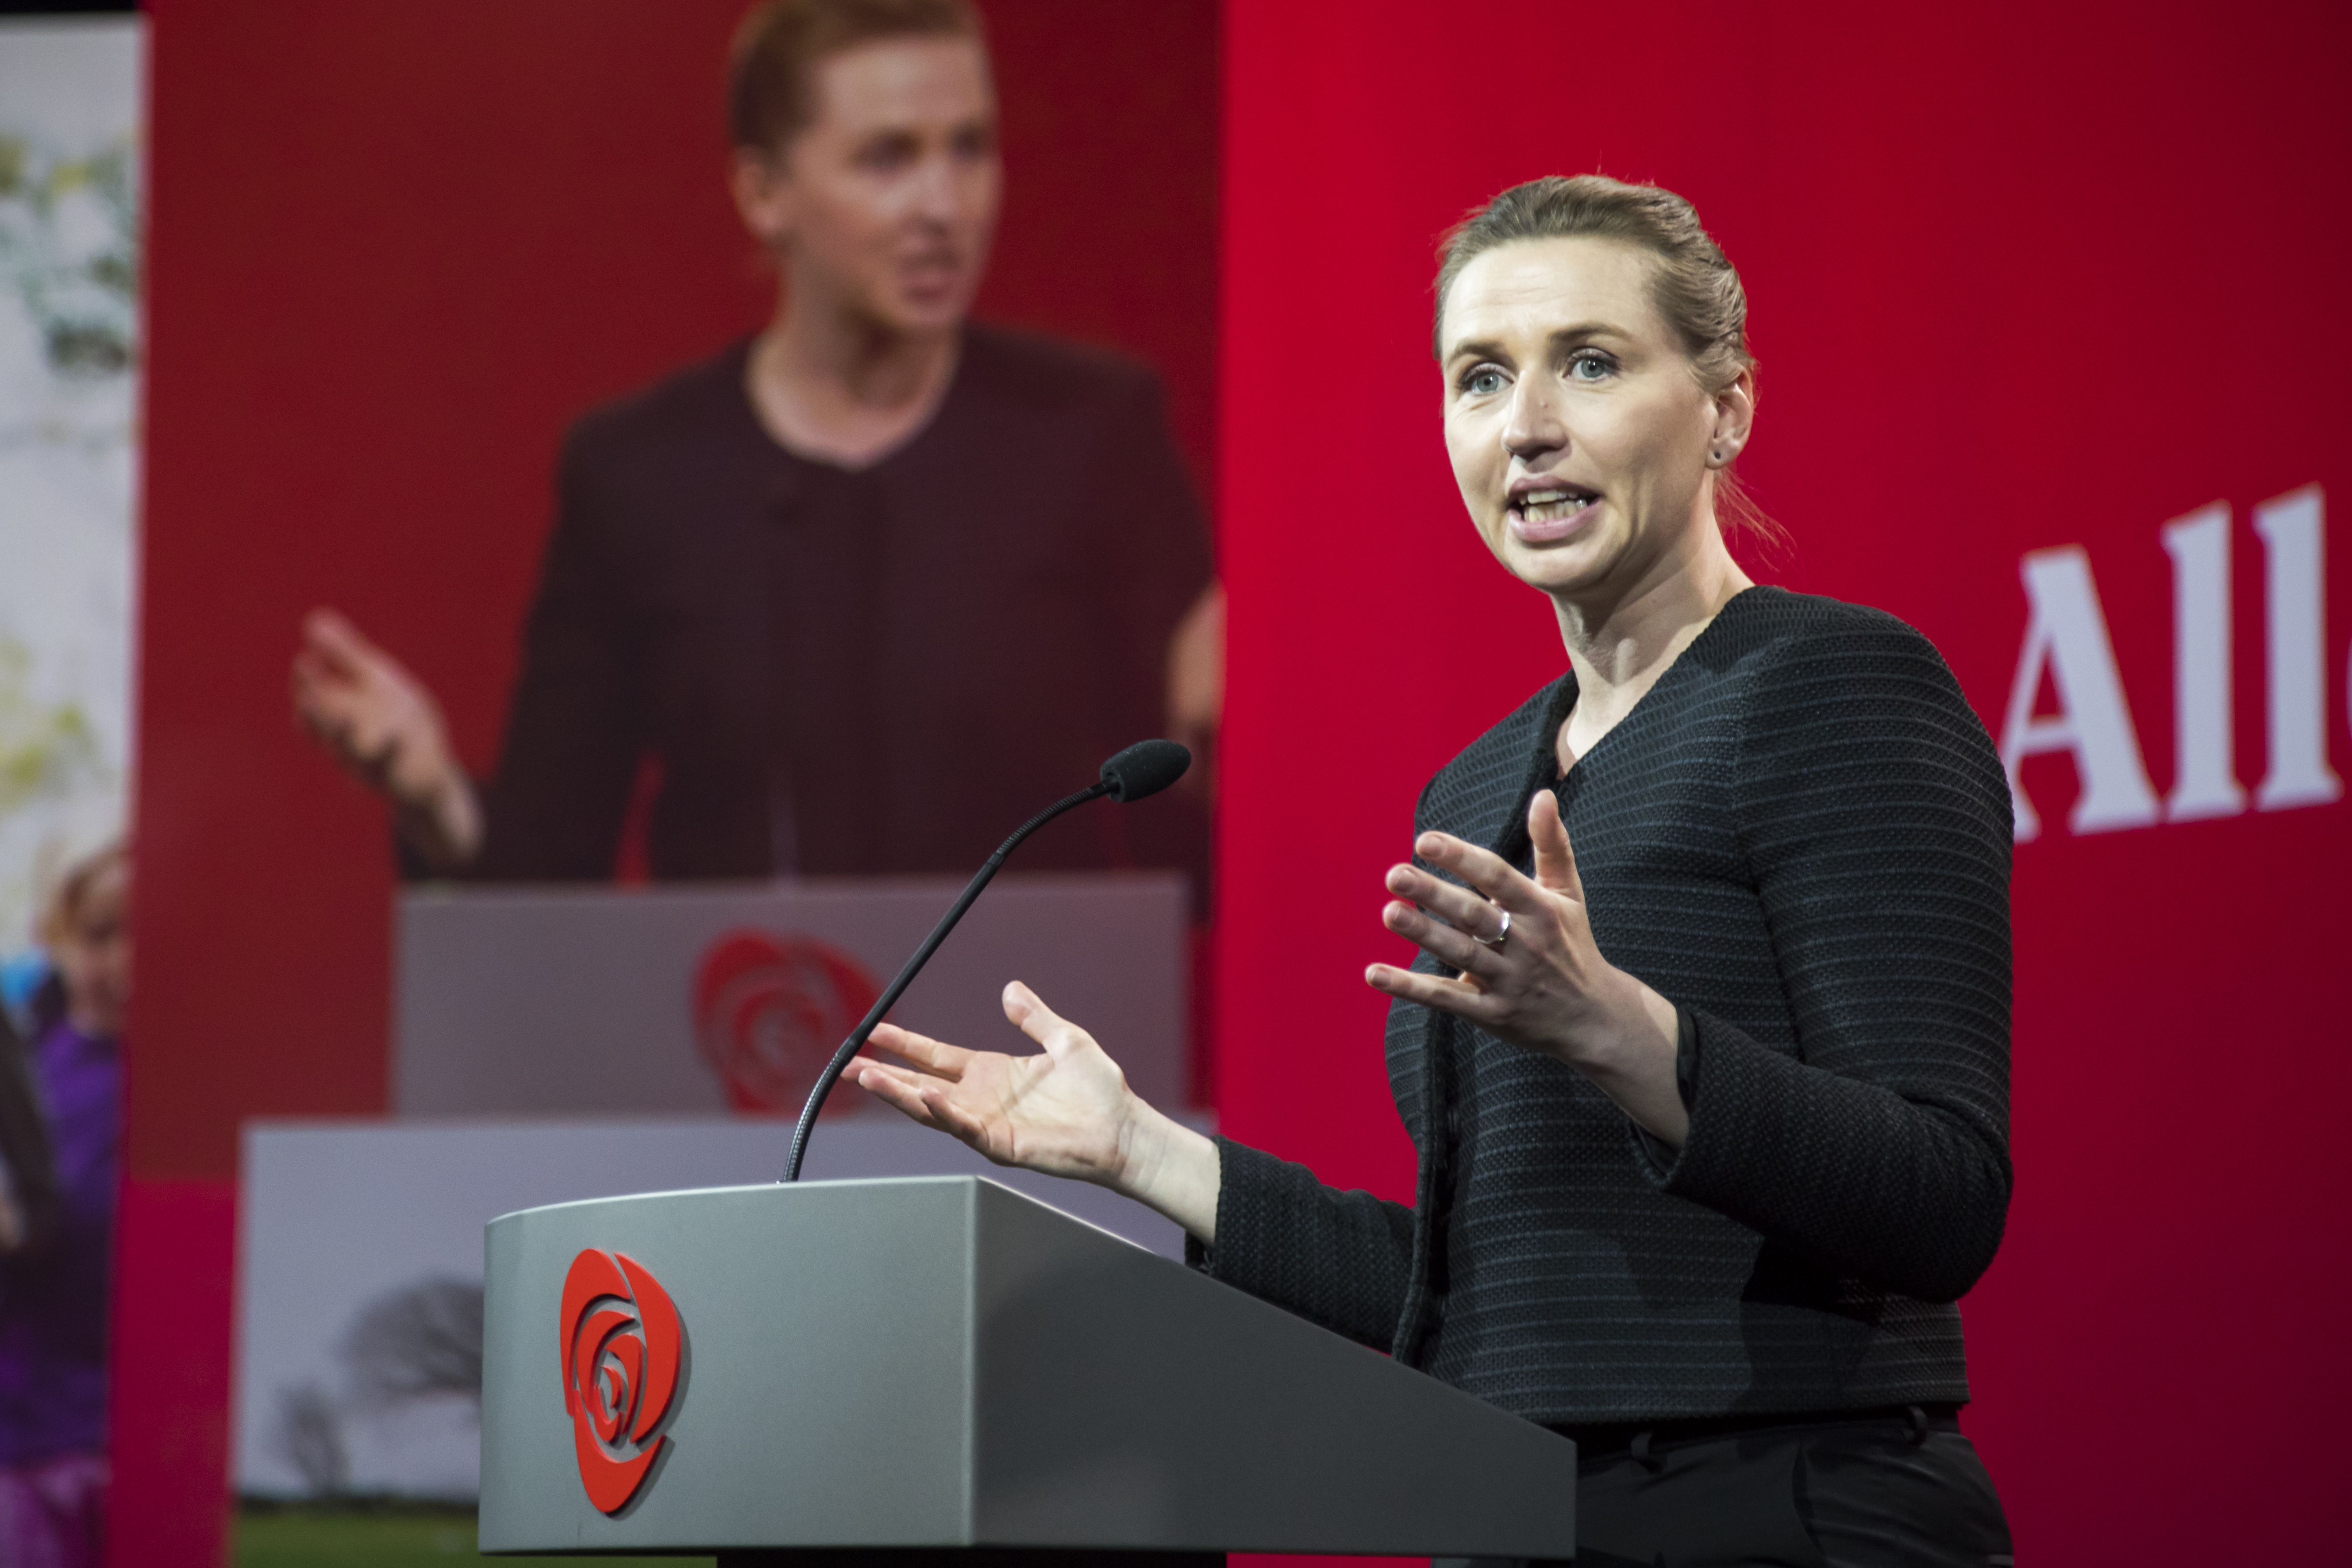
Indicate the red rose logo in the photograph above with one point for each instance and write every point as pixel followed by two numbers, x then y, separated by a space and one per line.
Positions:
pixel 622 1344
pixel 770 1011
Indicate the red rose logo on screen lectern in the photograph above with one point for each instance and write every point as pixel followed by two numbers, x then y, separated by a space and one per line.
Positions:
pixel 622 1348
pixel 769 1010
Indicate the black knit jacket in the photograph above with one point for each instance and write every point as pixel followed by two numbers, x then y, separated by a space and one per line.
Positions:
pixel 1800 836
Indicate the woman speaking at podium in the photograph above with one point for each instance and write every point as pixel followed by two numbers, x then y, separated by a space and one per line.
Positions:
pixel 1707 1049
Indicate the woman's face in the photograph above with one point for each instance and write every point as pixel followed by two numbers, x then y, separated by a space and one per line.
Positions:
pixel 1579 434
pixel 886 202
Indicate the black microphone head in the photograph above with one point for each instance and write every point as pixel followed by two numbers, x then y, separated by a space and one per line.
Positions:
pixel 1144 768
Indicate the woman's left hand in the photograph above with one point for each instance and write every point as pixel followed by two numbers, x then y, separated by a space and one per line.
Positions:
pixel 1543 985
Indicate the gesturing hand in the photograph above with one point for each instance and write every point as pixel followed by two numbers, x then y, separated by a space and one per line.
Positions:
pixel 1544 985
pixel 1064 1111
pixel 1067 1112
pixel 382 725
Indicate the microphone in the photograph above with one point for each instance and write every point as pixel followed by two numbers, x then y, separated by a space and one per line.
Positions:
pixel 1143 769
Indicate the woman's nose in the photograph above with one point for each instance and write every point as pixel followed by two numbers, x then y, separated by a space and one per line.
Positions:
pixel 938 197
pixel 1535 425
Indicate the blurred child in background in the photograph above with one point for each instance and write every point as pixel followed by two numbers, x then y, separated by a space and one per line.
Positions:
pixel 56 1235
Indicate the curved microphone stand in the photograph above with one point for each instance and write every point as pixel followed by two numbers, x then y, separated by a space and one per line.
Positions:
pixel 1144 768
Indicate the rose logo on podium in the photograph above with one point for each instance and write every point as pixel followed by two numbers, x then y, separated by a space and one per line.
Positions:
pixel 768 1012
pixel 623 1352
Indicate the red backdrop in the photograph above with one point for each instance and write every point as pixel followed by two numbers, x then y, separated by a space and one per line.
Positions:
pixel 396 249
pixel 2022 277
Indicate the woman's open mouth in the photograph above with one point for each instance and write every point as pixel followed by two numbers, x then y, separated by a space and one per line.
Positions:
pixel 1553 512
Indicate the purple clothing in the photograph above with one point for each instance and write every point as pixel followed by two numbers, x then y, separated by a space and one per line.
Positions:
pixel 53 1305
pixel 53 1513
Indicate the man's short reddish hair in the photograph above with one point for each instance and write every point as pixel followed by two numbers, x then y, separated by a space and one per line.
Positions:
pixel 771 69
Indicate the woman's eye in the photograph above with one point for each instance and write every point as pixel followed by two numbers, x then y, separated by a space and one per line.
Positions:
pixel 886 154
pixel 1589 367
pixel 1483 382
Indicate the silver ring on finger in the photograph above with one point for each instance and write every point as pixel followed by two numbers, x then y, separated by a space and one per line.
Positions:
pixel 1502 933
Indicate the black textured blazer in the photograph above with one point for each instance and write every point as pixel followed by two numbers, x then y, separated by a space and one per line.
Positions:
pixel 843 672
pixel 1802 838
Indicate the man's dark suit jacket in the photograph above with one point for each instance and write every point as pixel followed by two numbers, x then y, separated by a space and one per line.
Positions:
pixel 850 672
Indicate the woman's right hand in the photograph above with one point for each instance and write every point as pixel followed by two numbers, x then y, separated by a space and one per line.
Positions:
pixel 384 726
pixel 1065 1111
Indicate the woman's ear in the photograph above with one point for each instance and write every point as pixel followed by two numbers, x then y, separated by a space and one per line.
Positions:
pixel 1734 413
pixel 764 195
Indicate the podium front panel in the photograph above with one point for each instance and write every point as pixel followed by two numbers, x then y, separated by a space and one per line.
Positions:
pixel 824 1399
pixel 945 1362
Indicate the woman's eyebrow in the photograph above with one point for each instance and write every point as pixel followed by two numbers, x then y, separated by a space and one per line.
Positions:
pixel 1559 337
pixel 1475 348
pixel 1584 332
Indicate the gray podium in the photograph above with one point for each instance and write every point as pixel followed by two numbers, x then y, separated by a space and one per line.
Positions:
pixel 941 1370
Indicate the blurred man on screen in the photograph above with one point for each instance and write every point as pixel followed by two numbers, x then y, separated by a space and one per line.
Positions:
pixel 864 590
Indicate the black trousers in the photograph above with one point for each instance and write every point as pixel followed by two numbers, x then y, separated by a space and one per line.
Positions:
pixel 1899 1489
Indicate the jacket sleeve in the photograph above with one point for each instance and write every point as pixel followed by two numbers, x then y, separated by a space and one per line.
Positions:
pixel 1341 1259
pixel 1877 822
pixel 1154 567
pixel 1160 556
pixel 574 728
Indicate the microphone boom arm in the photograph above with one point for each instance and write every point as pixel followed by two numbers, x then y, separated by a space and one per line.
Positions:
pixel 890 998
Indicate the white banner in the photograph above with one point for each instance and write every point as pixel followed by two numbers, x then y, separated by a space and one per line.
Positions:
pixel 69 355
